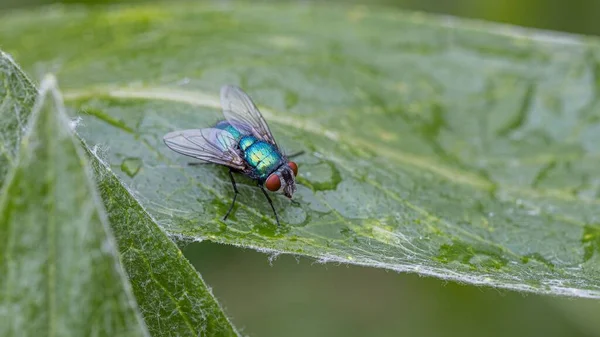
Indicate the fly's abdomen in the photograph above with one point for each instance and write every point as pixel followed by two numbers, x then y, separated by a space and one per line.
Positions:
pixel 263 157
pixel 224 125
pixel 227 143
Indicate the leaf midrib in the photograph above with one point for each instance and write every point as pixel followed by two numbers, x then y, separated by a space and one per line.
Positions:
pixel 198 98
pixel 50 171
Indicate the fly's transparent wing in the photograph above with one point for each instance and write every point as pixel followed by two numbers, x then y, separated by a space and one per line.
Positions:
pixel 241 113
pixel 211 145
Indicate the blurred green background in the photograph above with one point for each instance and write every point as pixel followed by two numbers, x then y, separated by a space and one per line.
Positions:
pixel 576 16
pixel 289 296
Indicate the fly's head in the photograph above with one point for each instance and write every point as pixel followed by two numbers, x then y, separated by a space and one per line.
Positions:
pixel 284 179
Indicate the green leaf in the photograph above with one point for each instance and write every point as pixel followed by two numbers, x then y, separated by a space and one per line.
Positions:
pixel 171 295
pixel 60 272
pixel 17 100
pixel 461 150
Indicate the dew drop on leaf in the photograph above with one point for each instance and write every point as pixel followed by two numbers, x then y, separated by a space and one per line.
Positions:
pixel 131 166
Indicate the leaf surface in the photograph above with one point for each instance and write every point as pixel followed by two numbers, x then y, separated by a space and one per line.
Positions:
pixel 17 100
pixel 463 150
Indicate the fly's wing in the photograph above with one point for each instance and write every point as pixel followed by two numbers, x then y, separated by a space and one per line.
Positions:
pixel 242 114
pixel 211 145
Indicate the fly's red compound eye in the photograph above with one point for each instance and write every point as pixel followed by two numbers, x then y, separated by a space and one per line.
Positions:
pixel 294 167
pixel 273 183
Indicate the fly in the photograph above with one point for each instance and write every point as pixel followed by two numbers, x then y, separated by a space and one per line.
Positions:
pixel 243 143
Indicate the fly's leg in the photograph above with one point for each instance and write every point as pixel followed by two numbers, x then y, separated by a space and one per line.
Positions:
pixel 234 196
pixel 199 163
pixel 299 153
pixel 270 203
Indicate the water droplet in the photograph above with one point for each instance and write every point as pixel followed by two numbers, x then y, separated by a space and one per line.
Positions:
pixel 323 176
pixel 536 257
pixel 131 166
pixel 271 230
pixel 590 241
pixel 474 256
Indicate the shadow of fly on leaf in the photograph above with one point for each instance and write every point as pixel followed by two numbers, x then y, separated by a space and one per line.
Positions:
pixel 243 143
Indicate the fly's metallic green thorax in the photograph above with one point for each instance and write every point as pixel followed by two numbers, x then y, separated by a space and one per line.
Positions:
pixel 263 157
